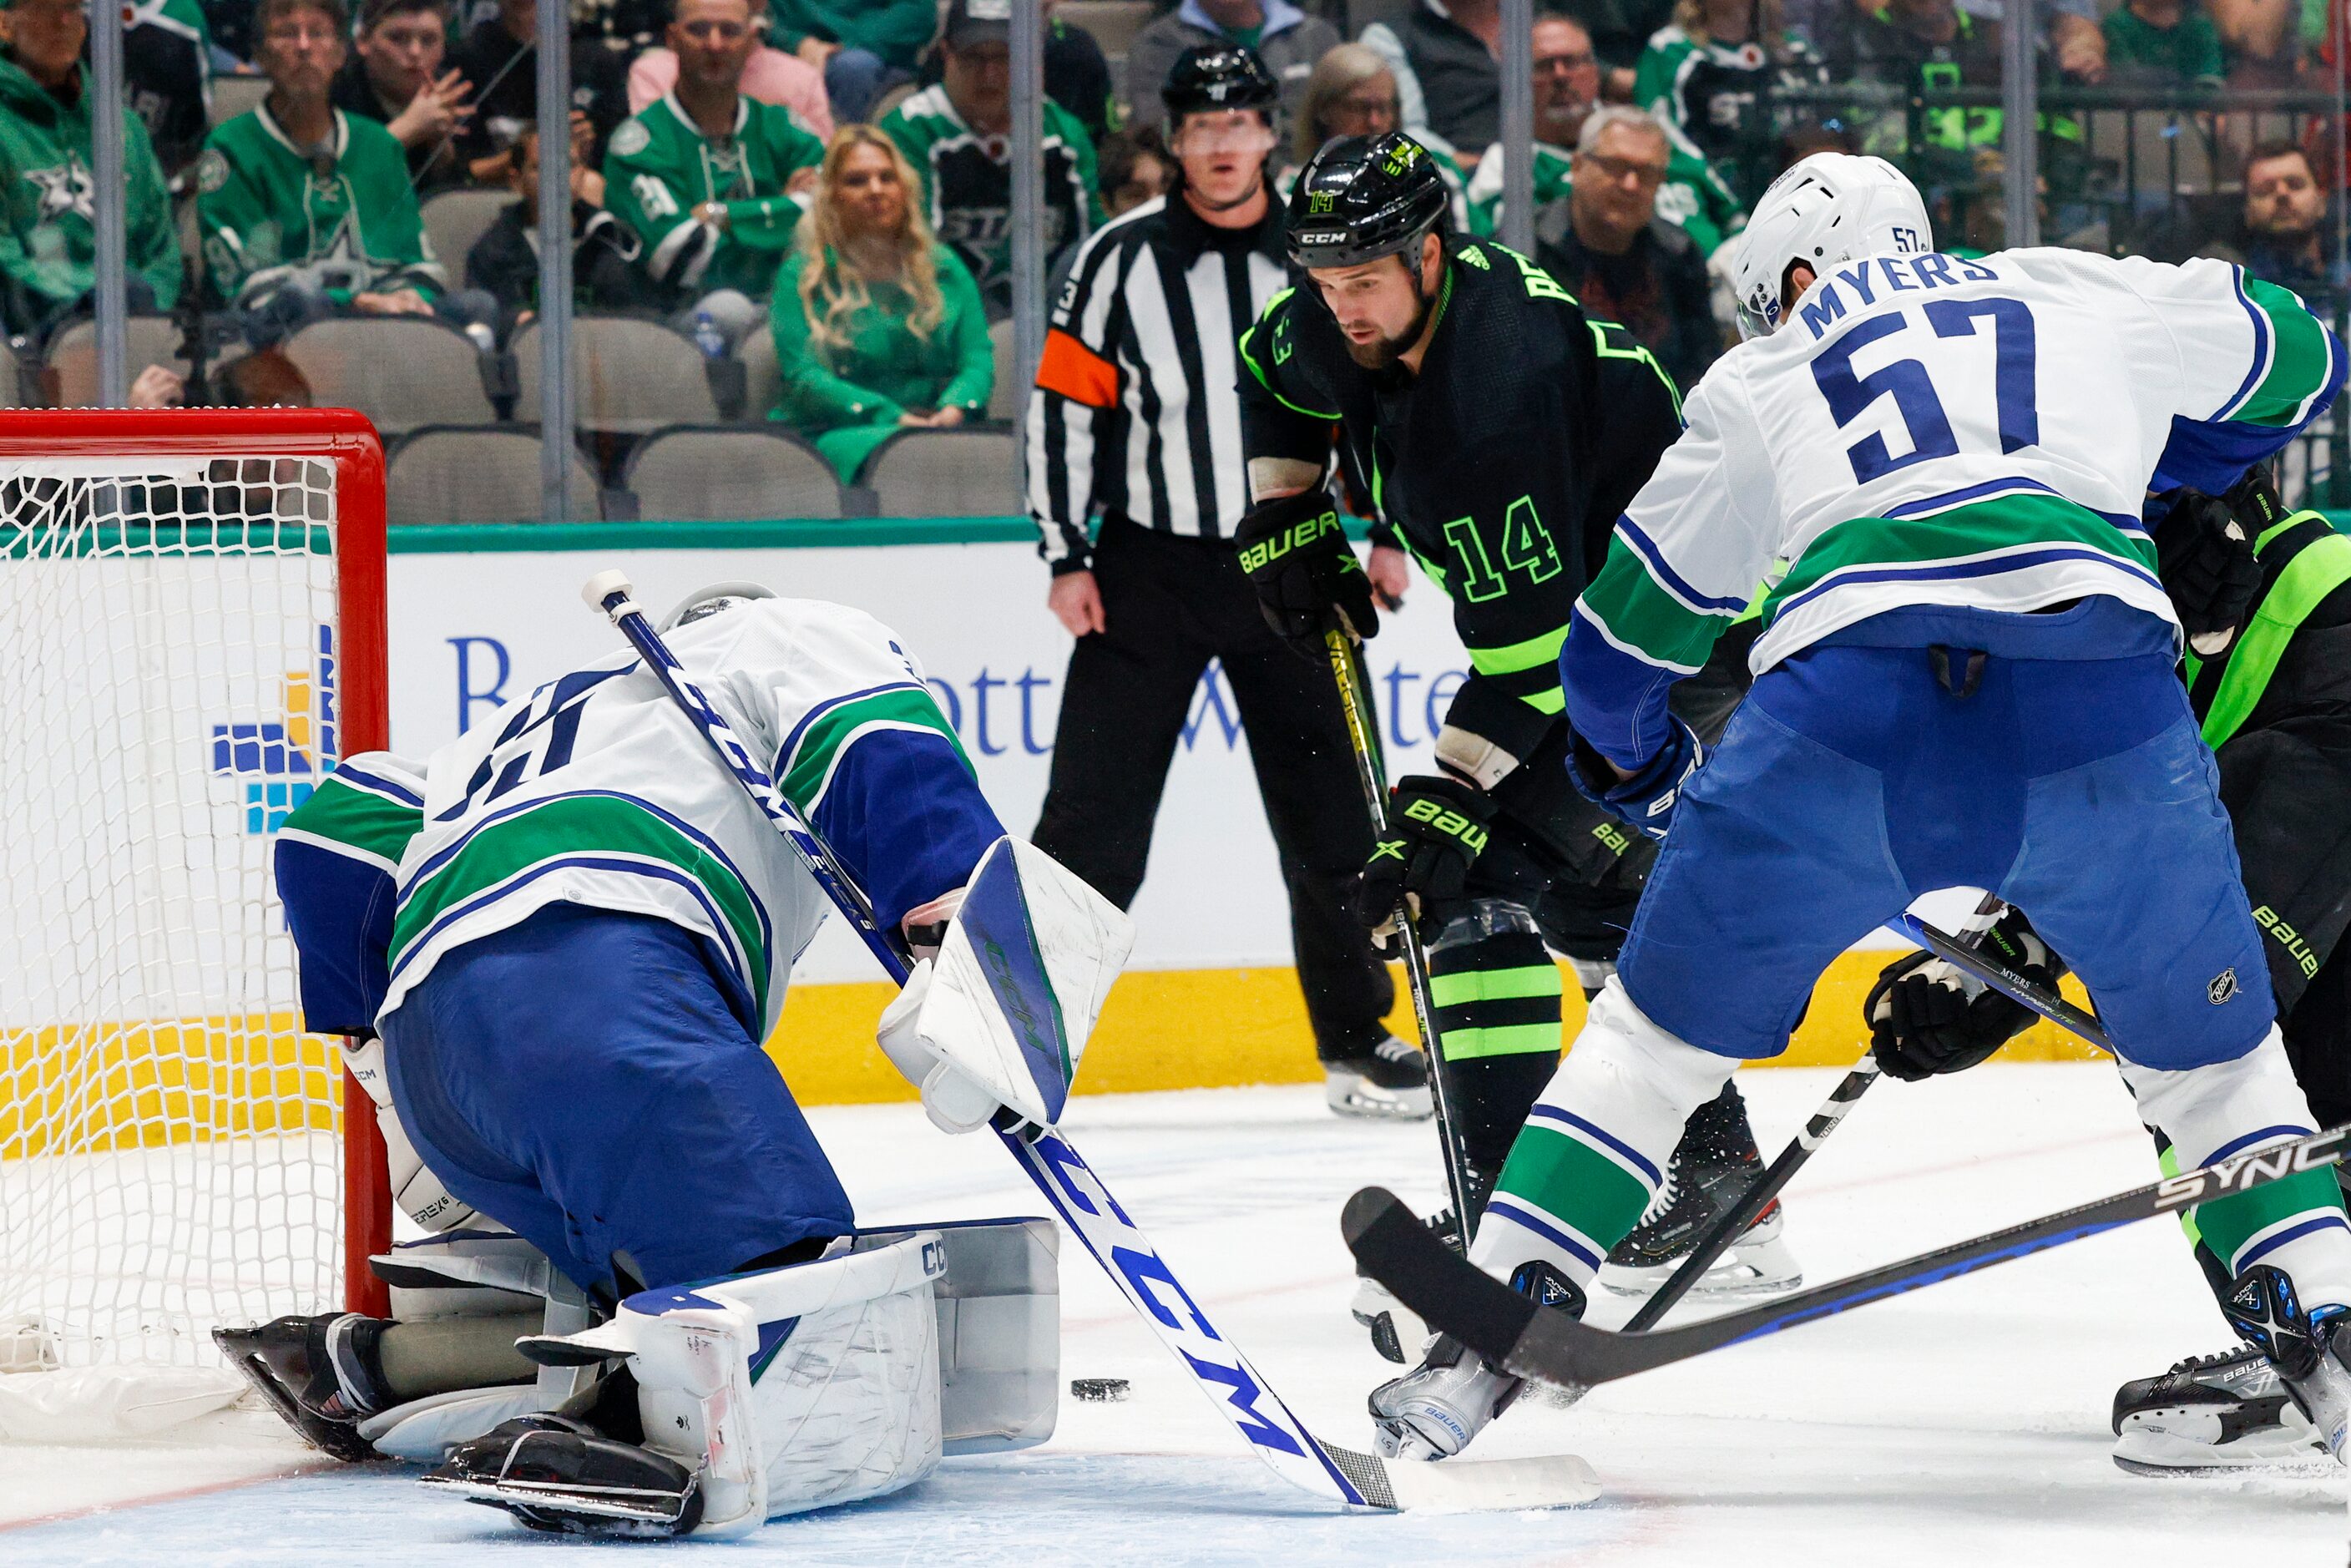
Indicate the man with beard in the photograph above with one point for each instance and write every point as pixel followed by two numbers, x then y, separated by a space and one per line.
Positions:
pixel 1136 422
pixel 1502 432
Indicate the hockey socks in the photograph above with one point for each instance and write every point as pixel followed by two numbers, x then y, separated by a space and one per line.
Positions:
pixel 1595 1148
pixel 1495 994
pixel 2216 1112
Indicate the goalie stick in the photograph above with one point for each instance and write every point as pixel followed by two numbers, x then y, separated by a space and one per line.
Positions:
pixel 1513 1332
pixel 1080 1196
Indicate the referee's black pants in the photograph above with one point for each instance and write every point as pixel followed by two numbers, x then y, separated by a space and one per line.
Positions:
pixel 1171 605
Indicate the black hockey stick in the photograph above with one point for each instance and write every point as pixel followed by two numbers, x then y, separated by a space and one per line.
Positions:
pixel 1371 772
pixel 2006 981
pixel 1515 1334
pixel 1733 1223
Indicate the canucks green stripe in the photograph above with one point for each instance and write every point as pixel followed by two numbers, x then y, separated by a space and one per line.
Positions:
pixel 2228 1223
pixel 2004 523
pixel 348 815
pixel 2299 361
pixel 1494 985
pixel 805 769
pixel 1535 651
pixel 575 824
pixel 1638 611
pixel 1565 1177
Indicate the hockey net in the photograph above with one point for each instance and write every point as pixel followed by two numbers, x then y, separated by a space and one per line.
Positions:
pixel 191 636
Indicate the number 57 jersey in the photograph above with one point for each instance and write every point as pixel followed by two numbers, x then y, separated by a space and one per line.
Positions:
pixel 1928 430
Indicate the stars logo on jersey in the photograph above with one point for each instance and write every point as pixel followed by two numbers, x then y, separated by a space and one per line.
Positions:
pixel 67 188
pixel 630 138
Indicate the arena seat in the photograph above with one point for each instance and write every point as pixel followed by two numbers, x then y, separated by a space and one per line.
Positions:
pixel 694 474
pixel 402 372
pixel 965 473
pixel 628 375
pixel 454 474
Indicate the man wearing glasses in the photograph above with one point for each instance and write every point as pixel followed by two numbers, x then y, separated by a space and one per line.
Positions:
pixel 1605 241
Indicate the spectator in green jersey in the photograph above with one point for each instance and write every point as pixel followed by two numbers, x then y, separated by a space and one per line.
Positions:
pixel 2162 43
pixel 306 210
pixel 712 181
pixel 48 241
pixel 864 47
pixel 878 327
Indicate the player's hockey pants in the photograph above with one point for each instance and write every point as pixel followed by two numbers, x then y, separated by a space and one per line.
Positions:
pixel 1172 605
pixel 593 1080
pixel 2052 758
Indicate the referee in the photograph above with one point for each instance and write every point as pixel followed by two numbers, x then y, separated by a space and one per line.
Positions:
pixel 1137 420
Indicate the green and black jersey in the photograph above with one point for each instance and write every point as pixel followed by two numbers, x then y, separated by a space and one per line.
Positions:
pixel 2276 709
pixel 1503 464
pixel 967 181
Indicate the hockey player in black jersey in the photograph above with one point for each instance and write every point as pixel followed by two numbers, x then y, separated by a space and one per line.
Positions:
pixel 2265 599
pixel 1499 432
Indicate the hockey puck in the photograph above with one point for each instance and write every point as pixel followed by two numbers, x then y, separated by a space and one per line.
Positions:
pixel 1102 1390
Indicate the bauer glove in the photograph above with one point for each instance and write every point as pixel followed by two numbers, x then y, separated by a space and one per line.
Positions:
pixel 2204 553
pixel 1927 1016
pixel 1296 555
pixel 1645 801
pixel 1437 829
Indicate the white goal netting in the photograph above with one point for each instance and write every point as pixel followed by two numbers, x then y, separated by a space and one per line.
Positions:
pixel 170 1152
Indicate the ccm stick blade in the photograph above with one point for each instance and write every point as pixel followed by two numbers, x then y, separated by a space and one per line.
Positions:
pixel 1542 1343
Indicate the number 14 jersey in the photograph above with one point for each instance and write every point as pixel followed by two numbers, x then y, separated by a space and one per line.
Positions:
pixel 1928 430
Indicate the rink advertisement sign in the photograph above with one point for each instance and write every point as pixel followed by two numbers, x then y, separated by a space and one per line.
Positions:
pixel 473 632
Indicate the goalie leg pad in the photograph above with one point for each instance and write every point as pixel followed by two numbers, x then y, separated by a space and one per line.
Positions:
pixel 787 1389
pixel 999 1333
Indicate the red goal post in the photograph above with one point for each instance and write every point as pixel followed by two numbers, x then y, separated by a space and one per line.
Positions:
pixel 197 528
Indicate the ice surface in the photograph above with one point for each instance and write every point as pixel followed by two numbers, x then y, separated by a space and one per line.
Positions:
pixel 1965 1424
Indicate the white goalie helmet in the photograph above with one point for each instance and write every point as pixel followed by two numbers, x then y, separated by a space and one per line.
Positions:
pixel 1831 207
pixel 710 601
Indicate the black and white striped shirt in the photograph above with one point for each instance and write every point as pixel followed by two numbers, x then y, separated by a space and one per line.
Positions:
pixel 1136 416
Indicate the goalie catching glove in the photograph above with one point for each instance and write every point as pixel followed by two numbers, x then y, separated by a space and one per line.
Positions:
pixel 1295 553
pixel 1927 1016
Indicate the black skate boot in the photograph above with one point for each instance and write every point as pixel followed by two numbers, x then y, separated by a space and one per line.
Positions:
pixel 561 1475
pixel 2310 1348
pixel 1713 1167
pixel 2213 1412
pixel 1386 1081
pixel 322 1374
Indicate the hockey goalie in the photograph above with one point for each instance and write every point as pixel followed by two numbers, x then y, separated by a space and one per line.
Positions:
pixel 645 1307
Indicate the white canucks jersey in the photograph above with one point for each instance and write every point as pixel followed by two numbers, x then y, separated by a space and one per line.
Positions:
pixel 599 792
pixel 1926 429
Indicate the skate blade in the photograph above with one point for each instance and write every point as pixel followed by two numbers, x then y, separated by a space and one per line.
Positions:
pixel 2149 1447
pixel 1365 1104
pixel 1735 1279
pixel 331 1438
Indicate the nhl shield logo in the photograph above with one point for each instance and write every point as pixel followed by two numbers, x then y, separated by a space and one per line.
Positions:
pixel 2223 987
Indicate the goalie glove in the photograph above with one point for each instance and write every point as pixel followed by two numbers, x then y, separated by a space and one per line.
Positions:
pixel 1927 1016
pixel 955 1103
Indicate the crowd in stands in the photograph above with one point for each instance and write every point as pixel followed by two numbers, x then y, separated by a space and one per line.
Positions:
pixel 833 176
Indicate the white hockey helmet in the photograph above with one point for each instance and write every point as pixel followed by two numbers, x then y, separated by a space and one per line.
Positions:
pixel 710 601
pixel 1828 208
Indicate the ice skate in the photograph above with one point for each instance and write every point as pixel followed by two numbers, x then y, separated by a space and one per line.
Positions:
pixel 1435 1410
pixel 1385 1081
pixel 1711 1169
pixel 2213 1412
pixel 2310 1348
pixel 319 1373
pixel 1396 1331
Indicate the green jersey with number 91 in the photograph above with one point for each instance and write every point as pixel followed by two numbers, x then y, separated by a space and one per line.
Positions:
pixel 1503 464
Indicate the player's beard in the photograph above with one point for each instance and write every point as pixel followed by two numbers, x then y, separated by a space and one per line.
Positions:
pixel 1381 352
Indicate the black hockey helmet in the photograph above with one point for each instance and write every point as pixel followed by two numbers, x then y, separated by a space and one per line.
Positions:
pixel 1218 76
pixel 1364 197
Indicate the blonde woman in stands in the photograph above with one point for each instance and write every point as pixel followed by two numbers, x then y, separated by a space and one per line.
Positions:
pixel 878 325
